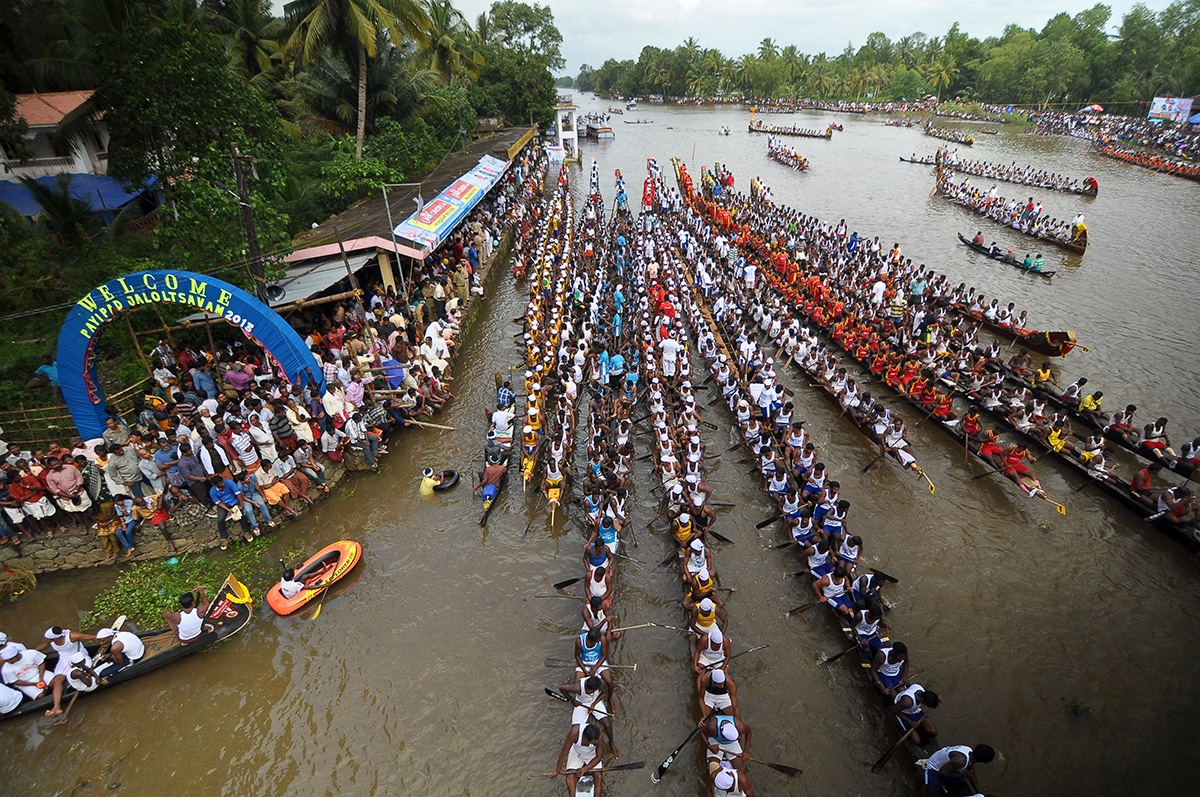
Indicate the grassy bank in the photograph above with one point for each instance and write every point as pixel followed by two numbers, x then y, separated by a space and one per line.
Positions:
pixel 1016 119
pixel 144 589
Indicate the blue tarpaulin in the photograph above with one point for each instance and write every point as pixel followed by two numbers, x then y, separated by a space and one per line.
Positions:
pixel 103 194
pixel 1194 119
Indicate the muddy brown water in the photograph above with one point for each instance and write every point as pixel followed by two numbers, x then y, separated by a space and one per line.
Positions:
pixel 1065 642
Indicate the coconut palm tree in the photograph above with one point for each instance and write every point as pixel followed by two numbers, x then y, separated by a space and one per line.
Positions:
pixel 352 28
pixel 451 43
pixel 767 49
pixel 941 73
pixel 251 36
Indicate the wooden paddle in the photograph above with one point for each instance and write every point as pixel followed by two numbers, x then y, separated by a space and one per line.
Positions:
pixel 878 765
pixel 784 768
pixel 617 768
pixel 768 521
pixel 780 546
pixel 720 537
pixel 573 702
pixel 432 425
pixel 551 662
pixel 568 582
pixel 837 656
pixel 666 764
pixel 801 609
pixel 871 464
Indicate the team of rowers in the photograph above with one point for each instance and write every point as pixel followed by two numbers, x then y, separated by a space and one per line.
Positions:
pixel 808 498
pixel 1012 173
pixel 1149 160
pixel 788 156
pixel 792 130
pixel 1026 217
pixel 954 136
pixel 906 338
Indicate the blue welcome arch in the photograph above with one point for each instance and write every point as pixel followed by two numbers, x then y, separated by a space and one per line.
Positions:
pixel 80 331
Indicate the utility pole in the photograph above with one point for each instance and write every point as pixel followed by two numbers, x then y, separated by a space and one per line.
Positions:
pixel 247 213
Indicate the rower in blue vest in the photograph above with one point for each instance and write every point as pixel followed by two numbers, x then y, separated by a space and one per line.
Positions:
pixel 591 657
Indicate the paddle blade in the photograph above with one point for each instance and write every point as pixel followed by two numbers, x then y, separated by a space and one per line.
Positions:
pixel 317 613
pixel 567 583
pixel 1062 510
pixel 767 522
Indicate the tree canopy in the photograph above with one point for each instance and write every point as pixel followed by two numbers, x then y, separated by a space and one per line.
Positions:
pixel 1071 61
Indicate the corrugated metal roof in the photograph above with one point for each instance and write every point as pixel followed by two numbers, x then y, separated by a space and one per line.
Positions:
pixel 304 280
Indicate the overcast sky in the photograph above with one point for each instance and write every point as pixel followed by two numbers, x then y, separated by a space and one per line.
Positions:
pixel 595 32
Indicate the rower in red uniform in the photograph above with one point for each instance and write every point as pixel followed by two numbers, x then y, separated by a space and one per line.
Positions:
pixel 971 423
pixel 1014 466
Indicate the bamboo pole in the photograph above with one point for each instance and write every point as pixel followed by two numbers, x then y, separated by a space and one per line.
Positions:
pixel 138 346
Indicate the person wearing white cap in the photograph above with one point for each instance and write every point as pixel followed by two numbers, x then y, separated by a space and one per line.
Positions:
pixel 702 585
pixel 709 651
pixel 707 618
pixel 698 558
pixel 23 669
pixel 728 738
pixel 124 648
pixel 717 692
pixel 66 643
pixel 79 675
pixel 728 780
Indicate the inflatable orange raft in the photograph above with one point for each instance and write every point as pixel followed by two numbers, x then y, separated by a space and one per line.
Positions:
pixel 320 571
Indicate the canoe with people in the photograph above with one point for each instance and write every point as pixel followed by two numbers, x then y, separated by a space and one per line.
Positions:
pixel 788 156
pixel 69 664
pixel 953 136
pixel 1031 264
pixel 1169 507
pixel 829 546
pixel 1026 217
pixel 1027 175
pixel 794 130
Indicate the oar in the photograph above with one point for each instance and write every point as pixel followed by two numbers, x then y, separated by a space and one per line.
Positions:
pixel 432 425
pixel 321 603
pixel 768 521
pixel 801 609
pixel 667 561
pixel 528 526
pixel 568 582
pixel 837 656
pixel 878 765
pixel 565 699
pixel 921 422
pixel 987 473
pixel 1062 510
pixel 666 764
pixel 871 464
pixel 569 663
pixel 631 627
pixel 737 655
pixel 617 768
pixel 720 537
pixel 569 597
pixel 880 574
pixel 1155 516
pixel 784 768
pixel 721 504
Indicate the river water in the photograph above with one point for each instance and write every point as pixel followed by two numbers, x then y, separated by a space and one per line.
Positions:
pixel 1064 642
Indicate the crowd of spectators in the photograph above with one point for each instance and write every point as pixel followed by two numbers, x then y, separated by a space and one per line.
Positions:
pixel 222 430
pixel 1174 140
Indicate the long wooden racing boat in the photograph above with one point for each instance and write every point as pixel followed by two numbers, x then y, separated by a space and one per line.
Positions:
pixel 319 572
pixel 1003 258
pixel 1058 343
pixel 759 127
pixel 228 613
pixel 1078 248
pixel 929 162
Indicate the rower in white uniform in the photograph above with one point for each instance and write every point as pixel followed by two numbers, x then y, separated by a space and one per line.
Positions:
pixel 188 622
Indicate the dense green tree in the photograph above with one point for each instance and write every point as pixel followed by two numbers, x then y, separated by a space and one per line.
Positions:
pixel 352 28
pixel 527 30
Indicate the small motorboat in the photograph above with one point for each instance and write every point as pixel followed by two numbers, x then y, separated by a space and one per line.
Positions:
pixel 319 572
